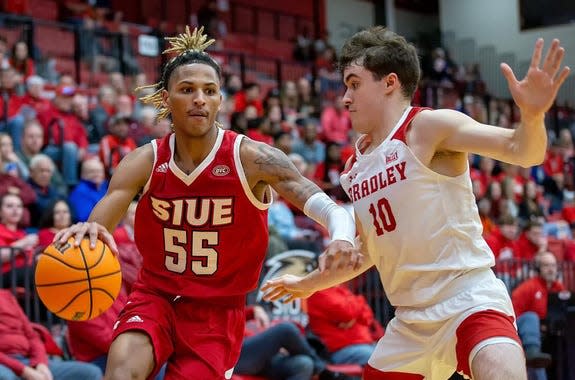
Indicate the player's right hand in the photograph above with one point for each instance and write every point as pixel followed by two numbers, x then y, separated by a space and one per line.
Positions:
pixel 287 288
pixel 93 230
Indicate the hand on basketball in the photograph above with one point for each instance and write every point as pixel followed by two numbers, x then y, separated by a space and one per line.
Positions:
pixel 340 254
pixel 535 94
pixel 92 229
pixel 287 288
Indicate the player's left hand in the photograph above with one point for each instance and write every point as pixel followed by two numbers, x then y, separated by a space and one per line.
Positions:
pixel 287 288
pixel 535 94
pixel 338 255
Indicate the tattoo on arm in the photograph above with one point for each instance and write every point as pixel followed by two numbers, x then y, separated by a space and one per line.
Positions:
pixel 283 176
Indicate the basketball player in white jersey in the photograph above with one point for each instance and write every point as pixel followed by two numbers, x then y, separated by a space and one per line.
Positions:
pixel 417 218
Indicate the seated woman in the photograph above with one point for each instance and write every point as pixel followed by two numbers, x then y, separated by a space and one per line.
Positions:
pixel 14 241
pixel 56 217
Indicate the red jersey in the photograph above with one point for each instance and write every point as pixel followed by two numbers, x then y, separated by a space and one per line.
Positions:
pixel 531 295
pixel 201 234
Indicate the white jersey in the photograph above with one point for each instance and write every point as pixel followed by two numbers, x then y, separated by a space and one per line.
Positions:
pixel 422 228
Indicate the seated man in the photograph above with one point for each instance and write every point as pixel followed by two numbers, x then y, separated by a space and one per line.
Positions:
pixel 22 352
pixel 530 304
pixel 279 351
pixel 345 324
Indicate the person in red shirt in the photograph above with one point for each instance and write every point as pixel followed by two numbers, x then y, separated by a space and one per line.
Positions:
pixel 116 145
pixel 11 120
pixel 34 98
pixel 530 305
pixel 56 217
pixel 345 324
pixel 249 96
pixel 201 227
pixel 64 135
pixel 21 244
pixel 23 354
pixel 21 60
pixel 531 241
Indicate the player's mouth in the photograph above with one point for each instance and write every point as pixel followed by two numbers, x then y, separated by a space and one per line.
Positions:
pixel 197 113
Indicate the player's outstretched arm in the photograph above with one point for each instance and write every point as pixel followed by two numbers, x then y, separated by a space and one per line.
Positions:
pixel 525 145
pixel 129 178
pixel 289 287
pixel 265 164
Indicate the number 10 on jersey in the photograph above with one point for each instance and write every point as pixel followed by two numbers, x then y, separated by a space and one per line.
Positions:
pixel 382 216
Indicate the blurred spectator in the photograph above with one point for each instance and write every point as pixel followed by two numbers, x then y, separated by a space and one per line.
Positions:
pixel 81 109
pixel 283 141
pixel 41 172
pixel 22 351
pixel 327 172
pixel 279 351
pixel 11 212
pixel 32 142
pixel 259 129
pixel 10 184
pixel 345 323
pixel 308 103
pixel 530 207
pixel 309 146
pixel 105 108
pixel 116 145
pixel 21 61
pixel 239 123
pixel 503 239
pixel 290 101
pixel 335 122
pixel 64 135
pixel 249 96
pixel 11 120
pixel 118 82
pixel 282 219
pixel 4 61
pixel 532 241
pixel 92 187
pixel 530 304
pixel 57 216
pixel 11 163
pixel 34 98
pixel 142 131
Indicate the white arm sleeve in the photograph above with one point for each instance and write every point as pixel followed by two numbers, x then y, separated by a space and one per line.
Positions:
pixel 334 218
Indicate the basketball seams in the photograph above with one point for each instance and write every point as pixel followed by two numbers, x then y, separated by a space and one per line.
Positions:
pixel 74 281
pixel 89 281
pixel 80 294
pixel 63 262
pixel 99 259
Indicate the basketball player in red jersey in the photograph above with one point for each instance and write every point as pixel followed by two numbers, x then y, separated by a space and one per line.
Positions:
pixel 200 225
pixel 410 187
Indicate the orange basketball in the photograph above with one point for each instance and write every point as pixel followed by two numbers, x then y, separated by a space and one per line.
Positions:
pixel 78 283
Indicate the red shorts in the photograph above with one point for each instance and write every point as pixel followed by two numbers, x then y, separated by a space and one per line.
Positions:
pixel 197 337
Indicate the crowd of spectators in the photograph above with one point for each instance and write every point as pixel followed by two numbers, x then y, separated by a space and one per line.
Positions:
pixel 60 143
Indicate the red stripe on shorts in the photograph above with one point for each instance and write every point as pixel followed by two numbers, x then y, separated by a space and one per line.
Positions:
pixel 478 327
pixel 370 373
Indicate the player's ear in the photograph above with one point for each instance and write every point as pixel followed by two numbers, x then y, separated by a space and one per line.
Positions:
pixel 390 82
pixel 165 98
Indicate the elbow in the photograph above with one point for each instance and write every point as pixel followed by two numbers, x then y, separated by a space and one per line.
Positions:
pixel 528 162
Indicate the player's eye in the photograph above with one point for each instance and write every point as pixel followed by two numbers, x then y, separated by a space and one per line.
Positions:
pixel 210 91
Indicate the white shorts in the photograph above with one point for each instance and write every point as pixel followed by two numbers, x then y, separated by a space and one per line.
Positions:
pixel 424 341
